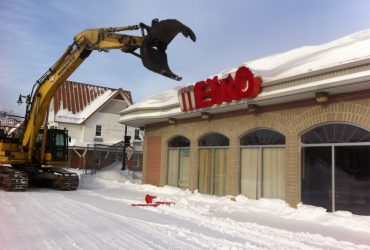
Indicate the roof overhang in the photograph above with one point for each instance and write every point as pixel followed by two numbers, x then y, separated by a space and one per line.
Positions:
pixel 288 91
pixel 338 67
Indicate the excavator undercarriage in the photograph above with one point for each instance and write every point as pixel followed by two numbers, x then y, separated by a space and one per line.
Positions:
pixel 13 179
pixel 18 176
pixel 51 177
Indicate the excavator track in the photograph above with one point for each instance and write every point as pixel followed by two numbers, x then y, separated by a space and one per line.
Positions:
pixel 19 178
pixel 55 178
pixel 12 179
pixel 66 181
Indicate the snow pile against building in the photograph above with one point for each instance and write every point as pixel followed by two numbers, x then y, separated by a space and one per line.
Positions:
pixel 185 200
pixel 99 215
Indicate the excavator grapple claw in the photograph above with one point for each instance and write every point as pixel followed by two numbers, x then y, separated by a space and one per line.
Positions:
pixel 153 50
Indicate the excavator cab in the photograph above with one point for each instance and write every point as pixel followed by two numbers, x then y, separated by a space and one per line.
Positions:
pixel 159 35
pixel 56 150
pixel 56 144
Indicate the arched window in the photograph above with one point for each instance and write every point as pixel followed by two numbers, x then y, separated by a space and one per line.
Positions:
pixel 263 137
pixel 336 168
pixel 336 133
pixel 214 139
pixel 178 162
pixel 262 160
pixel 213 157
pixel 179 141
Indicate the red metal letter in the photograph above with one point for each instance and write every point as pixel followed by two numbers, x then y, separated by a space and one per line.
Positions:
pixel 215 90
pixel 247 86
pixel 228 90
pixel 202 95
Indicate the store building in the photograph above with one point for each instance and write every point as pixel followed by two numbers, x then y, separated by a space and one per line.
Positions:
pixel 292 126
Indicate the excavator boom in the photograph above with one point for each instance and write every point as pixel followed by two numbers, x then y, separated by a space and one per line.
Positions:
pixel 27 155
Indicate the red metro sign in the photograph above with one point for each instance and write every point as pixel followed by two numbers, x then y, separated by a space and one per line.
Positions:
pixel 216 91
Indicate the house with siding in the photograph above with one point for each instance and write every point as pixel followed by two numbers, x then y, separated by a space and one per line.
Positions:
pixel 90 113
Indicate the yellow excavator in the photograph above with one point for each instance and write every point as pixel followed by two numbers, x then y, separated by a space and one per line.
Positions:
pixel 24 161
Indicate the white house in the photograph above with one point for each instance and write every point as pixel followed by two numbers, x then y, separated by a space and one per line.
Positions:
pixel 90 113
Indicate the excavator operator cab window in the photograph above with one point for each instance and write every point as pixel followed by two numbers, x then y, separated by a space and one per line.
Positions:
pixel 39 140
pixel 57 144
pixel 59 139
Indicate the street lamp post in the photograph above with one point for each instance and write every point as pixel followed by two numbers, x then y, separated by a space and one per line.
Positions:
pixel 27 97
pixel 28 102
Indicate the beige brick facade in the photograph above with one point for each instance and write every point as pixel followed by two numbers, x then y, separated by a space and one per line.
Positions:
pixel 152 160
pixel 291 120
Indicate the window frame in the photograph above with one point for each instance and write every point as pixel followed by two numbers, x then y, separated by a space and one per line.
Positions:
pixel 178 148
pixel 98 132
pixel 260 147
pixel 213 155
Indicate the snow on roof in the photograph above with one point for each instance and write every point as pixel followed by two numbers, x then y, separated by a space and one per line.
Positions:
pixel 295 62
pixel 350 48
pixel 74 102
pixel 290 64
pixel 81 143
pixel 166 99
pixel 65 115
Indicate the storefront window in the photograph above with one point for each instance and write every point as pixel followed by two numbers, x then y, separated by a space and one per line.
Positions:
pixel 262 164
pixel 179 141
pixel 178 162
pixel 336 168
pixel 263 137
pixel 336 133
pixel 213 156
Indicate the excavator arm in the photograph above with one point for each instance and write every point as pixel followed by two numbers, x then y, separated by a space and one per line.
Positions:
pixel 26 154
pixel 152 47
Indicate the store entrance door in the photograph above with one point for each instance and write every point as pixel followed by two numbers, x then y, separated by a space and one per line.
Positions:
pixel 336 168
pixel 316 176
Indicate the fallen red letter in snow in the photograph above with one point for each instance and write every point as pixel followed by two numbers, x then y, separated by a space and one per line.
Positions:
pixel 149 202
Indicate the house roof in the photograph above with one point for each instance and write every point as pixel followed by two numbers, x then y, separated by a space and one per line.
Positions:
pixel 75 102
pixel 336 67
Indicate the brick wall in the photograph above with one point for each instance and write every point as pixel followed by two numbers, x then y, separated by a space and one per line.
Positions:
pixel 291 120
pixel 153 160
pixel 77 161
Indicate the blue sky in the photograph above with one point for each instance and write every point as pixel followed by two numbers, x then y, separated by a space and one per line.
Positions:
pixel 34 34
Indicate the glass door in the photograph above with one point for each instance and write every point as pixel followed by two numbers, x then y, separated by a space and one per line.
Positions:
pixel 316 176
pixel 352 179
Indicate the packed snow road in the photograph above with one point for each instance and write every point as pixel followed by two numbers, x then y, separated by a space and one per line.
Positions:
pixel 99 216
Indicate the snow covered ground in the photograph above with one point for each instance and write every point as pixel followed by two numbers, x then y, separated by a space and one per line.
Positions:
pixel 99 215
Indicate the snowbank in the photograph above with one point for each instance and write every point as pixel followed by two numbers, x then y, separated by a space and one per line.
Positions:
pixel 99 215
pixel 109 177
pixel 192 204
